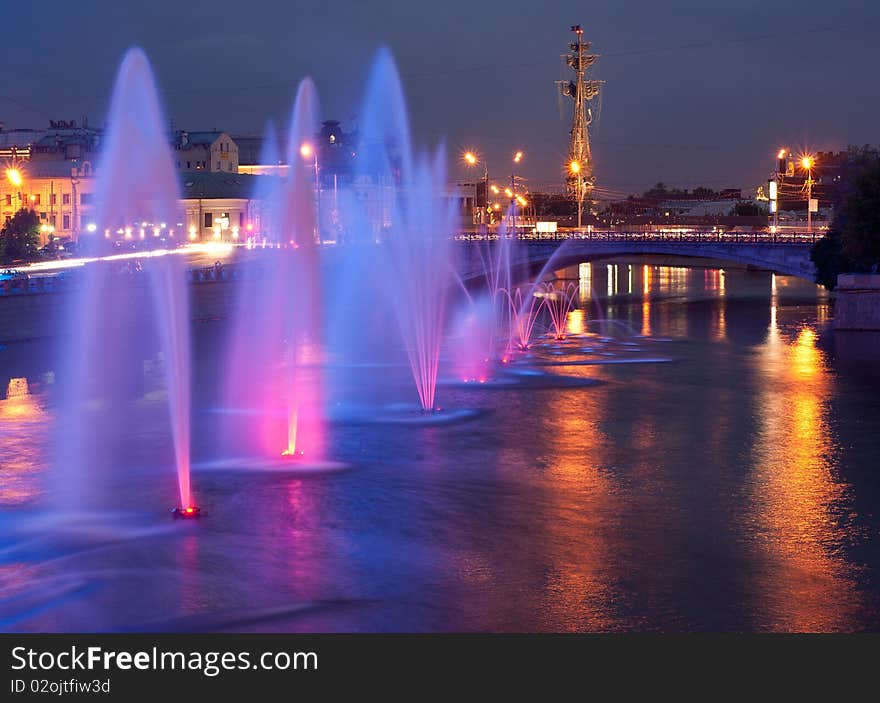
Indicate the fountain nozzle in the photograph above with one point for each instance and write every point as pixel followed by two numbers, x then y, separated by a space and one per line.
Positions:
pixel 190 512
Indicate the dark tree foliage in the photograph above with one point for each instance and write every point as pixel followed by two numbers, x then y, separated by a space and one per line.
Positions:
pixel 852 243
pixel 748 209
pixel 20 237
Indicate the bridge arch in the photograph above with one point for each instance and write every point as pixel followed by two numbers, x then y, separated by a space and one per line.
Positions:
pixel 788 258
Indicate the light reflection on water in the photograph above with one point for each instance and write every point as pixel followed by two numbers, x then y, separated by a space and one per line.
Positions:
pixel 799 499
pixel 23 427
pixel 729 489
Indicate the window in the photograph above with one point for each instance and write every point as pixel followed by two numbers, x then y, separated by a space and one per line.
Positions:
pixel 188 164
pixel 9 198
pixel 85 198
pixel 43 215
pixel 66 220
pixel 241 219
pixel 209 220
pixel 65 199
pixel 52 220
pixel 36 199
pixel 53 199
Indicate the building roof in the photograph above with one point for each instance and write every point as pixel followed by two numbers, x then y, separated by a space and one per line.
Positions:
pixel 186 140
pixel 19 138
pixel 49 169
pixel 217 184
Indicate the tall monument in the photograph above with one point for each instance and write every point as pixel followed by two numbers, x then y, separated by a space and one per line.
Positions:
pixel 579 169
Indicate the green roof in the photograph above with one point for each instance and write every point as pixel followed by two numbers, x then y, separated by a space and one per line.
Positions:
pixel 217 184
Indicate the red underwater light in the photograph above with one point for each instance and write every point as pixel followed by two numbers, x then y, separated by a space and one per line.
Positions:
pixel 190 512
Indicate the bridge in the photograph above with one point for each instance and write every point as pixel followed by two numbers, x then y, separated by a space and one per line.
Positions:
pixel 787 254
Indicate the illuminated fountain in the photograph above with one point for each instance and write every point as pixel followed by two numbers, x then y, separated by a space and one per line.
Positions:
pixel 119 317
pixel 274 376
pixel 484 319
pixel 559 302
pixel 391 284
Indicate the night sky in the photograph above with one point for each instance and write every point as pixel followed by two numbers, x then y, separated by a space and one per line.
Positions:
pixel 696 92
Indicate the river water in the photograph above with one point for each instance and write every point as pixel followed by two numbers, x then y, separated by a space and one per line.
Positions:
pixel 718 472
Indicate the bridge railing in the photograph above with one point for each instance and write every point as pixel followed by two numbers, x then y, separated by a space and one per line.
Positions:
pixel 707 237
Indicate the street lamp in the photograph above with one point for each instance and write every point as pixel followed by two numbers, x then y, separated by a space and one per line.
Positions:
pixel 774 187
pixel 471 159
pixel 15 178
pixel 307 151
pixel 807 163
pixel 13 175
pixel 517 157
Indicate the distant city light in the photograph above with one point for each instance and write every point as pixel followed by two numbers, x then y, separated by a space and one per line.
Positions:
pixel 91 227
pixel 781 154
pixel 807 163
pixel 574 167
pixel 470 157
pixel 517 157
pixel 305 150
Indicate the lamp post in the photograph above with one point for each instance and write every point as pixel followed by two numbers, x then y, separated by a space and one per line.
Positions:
pixel 471 159
pixel 774 187
pixel 15 178
pixel 306 151
pixel 807 164
pixel 517 157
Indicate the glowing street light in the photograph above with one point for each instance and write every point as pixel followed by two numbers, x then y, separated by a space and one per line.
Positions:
pixel 471 159
pixel 517 157
pixel 13 175
pixel 574 167
pixel 807 163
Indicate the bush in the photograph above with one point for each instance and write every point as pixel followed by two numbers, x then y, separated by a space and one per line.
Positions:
pixel 20 237
pixel 852 243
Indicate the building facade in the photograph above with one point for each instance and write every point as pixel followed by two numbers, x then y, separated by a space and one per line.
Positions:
pixel 60 192
pixel 205 151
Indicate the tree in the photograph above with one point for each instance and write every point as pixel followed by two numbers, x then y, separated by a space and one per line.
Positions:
pixel 20 237
pixel 852 243
pixel 748 209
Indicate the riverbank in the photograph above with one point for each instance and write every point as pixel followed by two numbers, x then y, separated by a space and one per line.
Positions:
pixel 858 302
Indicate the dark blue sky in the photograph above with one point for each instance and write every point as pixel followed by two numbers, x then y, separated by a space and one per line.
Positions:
pixel 696 92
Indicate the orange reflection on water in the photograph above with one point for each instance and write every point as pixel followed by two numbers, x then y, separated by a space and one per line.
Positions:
pixel 19 403
pixel 22 440
pixel 719 322
pixel 580 499
pixel 576 322
pixel 804 584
